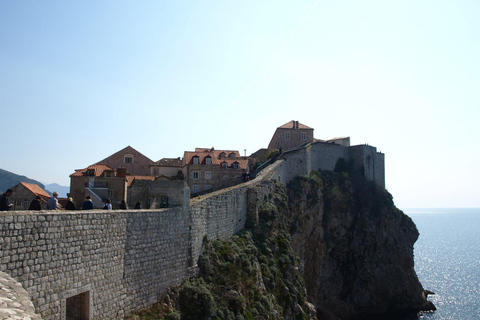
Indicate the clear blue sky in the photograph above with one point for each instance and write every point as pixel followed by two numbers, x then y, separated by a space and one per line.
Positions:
pixel 80 80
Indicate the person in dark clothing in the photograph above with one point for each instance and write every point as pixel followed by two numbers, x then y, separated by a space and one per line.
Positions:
pixel 123 205
pixel 70 204
pixel 108 205
pixel 35 204
pixel 88 203
pixel 5 204
pixel 138 205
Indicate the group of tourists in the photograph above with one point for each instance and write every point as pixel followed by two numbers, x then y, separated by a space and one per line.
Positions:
pixel 52 203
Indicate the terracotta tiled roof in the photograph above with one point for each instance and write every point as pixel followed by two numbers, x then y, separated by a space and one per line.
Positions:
pixel 215 155
pixel 125 150
pixel 36 189
pixel 291 125
pixel 99 169
pixel 169 162
pixel 132 179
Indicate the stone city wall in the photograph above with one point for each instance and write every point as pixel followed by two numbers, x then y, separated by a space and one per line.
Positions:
pixel 102 264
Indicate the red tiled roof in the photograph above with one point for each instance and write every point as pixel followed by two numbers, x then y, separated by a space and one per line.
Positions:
pixel 99 170
pixel 203 153
pixel 36 189
pixel 290 125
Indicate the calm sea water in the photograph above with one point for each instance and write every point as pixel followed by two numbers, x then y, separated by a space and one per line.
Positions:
pixel 447 260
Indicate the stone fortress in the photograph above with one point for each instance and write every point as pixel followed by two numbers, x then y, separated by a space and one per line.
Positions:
pixel 104 264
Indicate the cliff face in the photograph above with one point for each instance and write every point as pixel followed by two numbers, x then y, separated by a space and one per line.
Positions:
pixel 356 246
pixel 325 247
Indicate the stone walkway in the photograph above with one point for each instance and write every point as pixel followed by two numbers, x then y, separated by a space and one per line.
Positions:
pixel 14 300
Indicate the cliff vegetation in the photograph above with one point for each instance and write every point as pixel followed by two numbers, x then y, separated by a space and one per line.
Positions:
pixel 327 246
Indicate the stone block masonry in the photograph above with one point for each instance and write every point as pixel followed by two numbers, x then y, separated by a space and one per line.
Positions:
pixel 103 264
pixel 108 263
pixel 122 259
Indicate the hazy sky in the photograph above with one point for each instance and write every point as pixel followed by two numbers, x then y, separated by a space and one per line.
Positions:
pixel 80 80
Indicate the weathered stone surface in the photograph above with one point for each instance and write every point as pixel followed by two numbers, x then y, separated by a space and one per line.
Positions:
pixel 14 300
pixel 125 260
pixel 357 248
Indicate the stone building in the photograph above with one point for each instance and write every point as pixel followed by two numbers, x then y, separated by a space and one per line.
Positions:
pixel 160 192
pixel 169 167
pixel 290 136
pixel 208 169
pixel 24 193
pixel 99 181
pixel 133 161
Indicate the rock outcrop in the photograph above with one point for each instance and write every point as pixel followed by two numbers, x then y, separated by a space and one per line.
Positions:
pixel 356 246
pixel 325 247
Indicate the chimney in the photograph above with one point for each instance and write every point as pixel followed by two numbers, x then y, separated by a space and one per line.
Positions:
pixel 296 124
pixel 293 124
pixel 121 172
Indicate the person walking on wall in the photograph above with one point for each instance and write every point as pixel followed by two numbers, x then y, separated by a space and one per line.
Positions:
pixel 70 204
pixel 35 204
pixel 88 203
pixel 108 204
pixel 123 205
pixel 5 203
pixel 52 203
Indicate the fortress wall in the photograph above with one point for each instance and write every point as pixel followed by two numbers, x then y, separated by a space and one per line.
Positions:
pixel 109 263
pixel 15 301
pixel 218 215
pixel 324 156
pixel 55 256
pixel 380 169
pixel 123 260
pixel 301 161
pixel 157 255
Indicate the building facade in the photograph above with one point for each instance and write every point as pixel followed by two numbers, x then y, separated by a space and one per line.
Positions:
pixel 290 136
pixel 100 182
pixel 24 193
pixel 133 161
pixel 208 170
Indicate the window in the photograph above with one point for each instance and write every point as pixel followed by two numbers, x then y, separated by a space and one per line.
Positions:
pixel 111 193
pixel 196 188
pixel 196 160
pixel 223 155
pixel 208 160
pixel 108 173
pixel 195 175
pixel 208 175
pixel 231 155
pixel 224 165
pixel 287 135
pixel 208 187
pixel 304 136
pixel 235 165
pixel 128 158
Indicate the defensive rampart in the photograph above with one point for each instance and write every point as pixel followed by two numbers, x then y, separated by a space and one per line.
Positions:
pixel 103 264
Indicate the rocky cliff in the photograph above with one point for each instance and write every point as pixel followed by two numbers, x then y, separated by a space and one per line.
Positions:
pixel 356 246
pixel 325 247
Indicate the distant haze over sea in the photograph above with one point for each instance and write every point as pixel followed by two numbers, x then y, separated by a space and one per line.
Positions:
pixel 62 190
pixel 9 179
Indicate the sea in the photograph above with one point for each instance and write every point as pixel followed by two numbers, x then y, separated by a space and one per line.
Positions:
pixel 447 260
